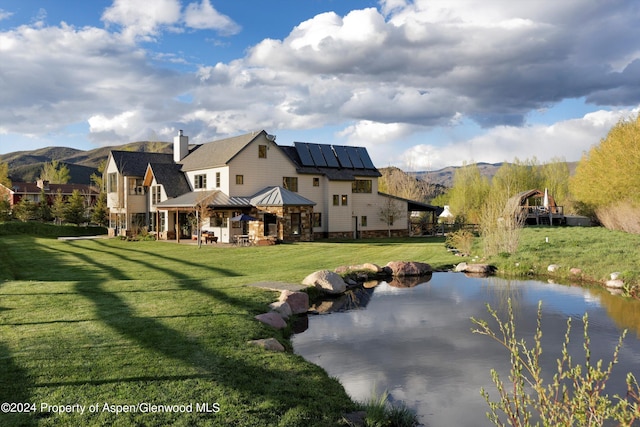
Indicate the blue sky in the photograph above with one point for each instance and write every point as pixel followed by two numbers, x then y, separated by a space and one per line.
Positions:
pixel 422 84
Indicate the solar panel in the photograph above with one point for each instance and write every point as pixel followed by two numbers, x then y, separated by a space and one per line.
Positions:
pixel 318 158
pixel 355 158
pixel 303 151
pixel 329 156
pixel 364 156
pixel 343 157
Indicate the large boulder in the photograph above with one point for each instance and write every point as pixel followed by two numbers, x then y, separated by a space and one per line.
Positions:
pixel 463 267
pixel 298 302
pixel 408 268
pixel 272 319
pixel 281 307
pixel 366 267
pixel 327 281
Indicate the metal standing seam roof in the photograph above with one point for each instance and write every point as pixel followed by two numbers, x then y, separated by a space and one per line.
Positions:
pixel 279 196
pixel 213 198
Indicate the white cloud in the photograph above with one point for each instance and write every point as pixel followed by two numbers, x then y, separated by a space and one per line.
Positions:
pixel 142 18
pixel 5 15
pixel 567 139
pixel 203 16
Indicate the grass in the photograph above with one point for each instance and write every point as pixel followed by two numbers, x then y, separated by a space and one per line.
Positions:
pixel 598 252
pixel 108 321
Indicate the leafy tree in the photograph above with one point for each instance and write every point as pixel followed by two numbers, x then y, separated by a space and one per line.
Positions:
pixel 75 210
pixel 555 177
pixel 468 194
pixel 55 172
pixel 4 175
pixel 513 178
pixel 399 183
pixel 389 211
pixel 609 172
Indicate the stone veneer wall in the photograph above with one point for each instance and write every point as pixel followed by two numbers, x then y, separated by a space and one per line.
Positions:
pixel 284 223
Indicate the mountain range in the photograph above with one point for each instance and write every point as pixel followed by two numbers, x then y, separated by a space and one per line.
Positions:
pixel 25 166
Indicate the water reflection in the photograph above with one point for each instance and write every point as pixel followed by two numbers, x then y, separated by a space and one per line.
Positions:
pixel 416 342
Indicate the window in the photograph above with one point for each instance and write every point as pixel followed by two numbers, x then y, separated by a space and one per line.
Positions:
pixel 112 182
pixel 336 200
pixel 262 151
pixel 363 221
pixel 290 183
pixel 317 219
pixel 361 186
pixel 218 219
pixel 344 200
pixel 135 186
pixel 296 224
pixel 200 181
pixel 217 179
pixel 156 195
pixel 239 179
pixel 316 182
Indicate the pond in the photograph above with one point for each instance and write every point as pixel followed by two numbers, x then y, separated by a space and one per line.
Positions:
pixel 416 342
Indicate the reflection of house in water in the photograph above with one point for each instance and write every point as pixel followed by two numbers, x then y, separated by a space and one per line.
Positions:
pixel 540 208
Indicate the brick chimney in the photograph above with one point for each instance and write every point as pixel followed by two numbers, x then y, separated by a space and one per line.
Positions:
pixel 180 147
pixel 43 184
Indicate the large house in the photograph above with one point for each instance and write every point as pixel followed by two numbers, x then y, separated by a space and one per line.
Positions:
pixel 290 193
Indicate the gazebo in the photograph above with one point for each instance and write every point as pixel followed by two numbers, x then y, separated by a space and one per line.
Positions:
pixel 539 207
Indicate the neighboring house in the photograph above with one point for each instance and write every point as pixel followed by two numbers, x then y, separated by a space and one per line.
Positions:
pixel 295 193
pixel 34 191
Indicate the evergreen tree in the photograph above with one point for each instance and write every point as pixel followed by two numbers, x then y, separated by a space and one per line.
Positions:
pixel 100 212
pixel 75 210
pixel 59 207
pixel 43 210
pixel 5 209
pixel 25 210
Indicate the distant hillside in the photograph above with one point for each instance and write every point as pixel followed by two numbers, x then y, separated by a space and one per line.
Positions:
pixel 444 176
pixel 25 166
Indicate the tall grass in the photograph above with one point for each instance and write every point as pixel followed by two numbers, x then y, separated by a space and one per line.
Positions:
pixel 623 216
pixel 501 220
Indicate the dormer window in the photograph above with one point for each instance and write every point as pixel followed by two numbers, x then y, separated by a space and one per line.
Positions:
pixel 262 151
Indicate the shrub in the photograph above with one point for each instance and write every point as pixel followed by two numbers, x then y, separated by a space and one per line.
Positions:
pixel 462 240
pixel 575 396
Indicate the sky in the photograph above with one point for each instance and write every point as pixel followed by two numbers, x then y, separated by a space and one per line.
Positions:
pixel 422 84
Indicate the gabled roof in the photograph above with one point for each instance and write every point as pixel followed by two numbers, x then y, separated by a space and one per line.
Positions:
pixel 336 162
pixel 415 206
pixel 279 196
pixel 134 163
pixel 169 176
pixel 217 153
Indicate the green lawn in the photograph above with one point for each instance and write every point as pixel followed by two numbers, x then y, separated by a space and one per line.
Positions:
pixel 107 321
pixel 91 322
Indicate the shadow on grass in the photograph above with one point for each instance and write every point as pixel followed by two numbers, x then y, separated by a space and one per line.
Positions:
pixel 14 388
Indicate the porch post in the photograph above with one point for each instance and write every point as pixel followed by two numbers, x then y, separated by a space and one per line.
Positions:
pixel 177 226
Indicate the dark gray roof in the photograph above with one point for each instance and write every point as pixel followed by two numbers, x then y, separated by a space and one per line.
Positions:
pixel 413 205
pixel 217 153
pixel 318 158
pixel 170 176
pixel 134 163
pixel 279 196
